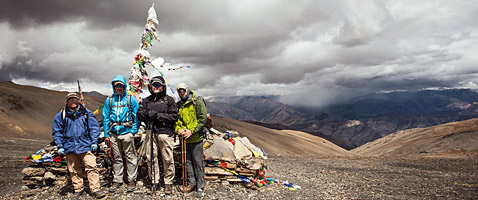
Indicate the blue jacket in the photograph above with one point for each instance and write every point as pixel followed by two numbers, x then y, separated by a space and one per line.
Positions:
pixel 75 138
pixel 119 112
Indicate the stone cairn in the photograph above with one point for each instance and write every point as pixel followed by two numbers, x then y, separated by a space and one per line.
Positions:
pixel 232 159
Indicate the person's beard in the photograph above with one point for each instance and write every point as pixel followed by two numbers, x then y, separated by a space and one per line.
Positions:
pixel 75 108
pixel 156 91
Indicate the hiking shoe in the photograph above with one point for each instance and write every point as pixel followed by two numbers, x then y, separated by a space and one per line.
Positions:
pixel 99 194
pixel 200 193
pixel 190 188
pixel 131 186
pixel 78 194
pixel 168 189
pixel 115 186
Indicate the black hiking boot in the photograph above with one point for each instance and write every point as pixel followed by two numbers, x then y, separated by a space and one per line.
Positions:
pixel 200 193
pixel 131 186
pixel 99 194
pixel 168 189
pixel 115 187
pixel 190 188
pixel 78 194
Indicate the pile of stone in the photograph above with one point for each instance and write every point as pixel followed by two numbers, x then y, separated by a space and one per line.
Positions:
pixel 231 158
pixel 47 168
pixel 43 171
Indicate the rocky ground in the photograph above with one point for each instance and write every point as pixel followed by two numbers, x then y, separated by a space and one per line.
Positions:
pixel 12 156
pixel 319 178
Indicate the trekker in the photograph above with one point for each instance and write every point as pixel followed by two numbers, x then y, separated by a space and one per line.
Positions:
pixel 191 125
pixel 159 111
pixel 120 124
pixel 75 131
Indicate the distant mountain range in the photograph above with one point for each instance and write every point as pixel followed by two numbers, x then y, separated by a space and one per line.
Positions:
pixel 94 94
pixel 357 121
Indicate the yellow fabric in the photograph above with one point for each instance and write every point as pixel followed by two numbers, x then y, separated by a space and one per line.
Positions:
pixel 36 157
pixel 188 118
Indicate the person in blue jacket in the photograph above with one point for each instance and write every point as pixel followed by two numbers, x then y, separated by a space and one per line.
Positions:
pixel 75 131
pixel 120 124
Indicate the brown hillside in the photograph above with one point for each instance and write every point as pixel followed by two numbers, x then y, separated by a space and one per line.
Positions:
pixel 28 112
pixel 456 139
pixel 283 142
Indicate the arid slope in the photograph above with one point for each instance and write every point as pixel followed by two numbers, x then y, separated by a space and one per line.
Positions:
pixel 455 139
pixel 283 142
pixel 28 112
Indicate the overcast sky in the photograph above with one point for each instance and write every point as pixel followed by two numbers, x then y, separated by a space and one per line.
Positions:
pixel 309 52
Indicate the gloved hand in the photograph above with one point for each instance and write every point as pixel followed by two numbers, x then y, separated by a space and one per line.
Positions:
pixel 143 114
pixel 152 114
pixel 61 152
pixel 94 147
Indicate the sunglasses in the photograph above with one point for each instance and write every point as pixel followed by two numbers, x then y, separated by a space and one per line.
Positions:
pixel 73 99
pixel 156 84
pixel 181 90
pixel 119 86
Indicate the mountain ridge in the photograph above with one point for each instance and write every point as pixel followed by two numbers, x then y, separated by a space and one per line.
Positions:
pixel 374 115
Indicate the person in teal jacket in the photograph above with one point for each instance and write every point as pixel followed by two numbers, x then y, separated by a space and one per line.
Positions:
pixel 120 124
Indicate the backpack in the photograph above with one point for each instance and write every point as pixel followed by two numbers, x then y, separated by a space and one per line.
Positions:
pixel 208 124
pixel 63 119
pixel 128 114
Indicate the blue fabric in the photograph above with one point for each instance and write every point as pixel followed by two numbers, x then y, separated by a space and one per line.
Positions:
pixel 243 178
pixel 76 138
pixel 61 151
pixel 47 158
pixel 39 151
pixel 119 114
pixel 94 147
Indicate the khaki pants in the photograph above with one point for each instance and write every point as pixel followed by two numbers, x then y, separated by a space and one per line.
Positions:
pixel 76 173
pixel 166 145
pixel 124 143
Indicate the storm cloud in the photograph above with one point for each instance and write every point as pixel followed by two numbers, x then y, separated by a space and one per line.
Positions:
pixel 307 52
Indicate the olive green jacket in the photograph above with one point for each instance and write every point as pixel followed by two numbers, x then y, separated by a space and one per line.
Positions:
pixel 192 116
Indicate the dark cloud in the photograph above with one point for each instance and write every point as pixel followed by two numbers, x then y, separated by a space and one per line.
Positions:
pixel 23 13
pixel 285 48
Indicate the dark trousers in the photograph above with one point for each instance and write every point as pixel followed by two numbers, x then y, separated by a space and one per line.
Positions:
pixel 195 164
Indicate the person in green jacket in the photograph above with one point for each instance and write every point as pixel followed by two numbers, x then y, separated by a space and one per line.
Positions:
pixel 191 125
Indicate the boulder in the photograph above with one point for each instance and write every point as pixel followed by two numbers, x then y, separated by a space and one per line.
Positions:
pixel 33 171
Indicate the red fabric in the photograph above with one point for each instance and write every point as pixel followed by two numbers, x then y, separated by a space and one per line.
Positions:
pixel 58 159
pixel 223 164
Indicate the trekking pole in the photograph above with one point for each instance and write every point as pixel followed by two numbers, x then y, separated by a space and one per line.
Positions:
pixel 152 160
pixel 82 100
pixel 110 150
pixel 183 165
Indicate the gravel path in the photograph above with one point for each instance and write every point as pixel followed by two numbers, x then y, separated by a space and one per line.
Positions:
pixel 331 178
